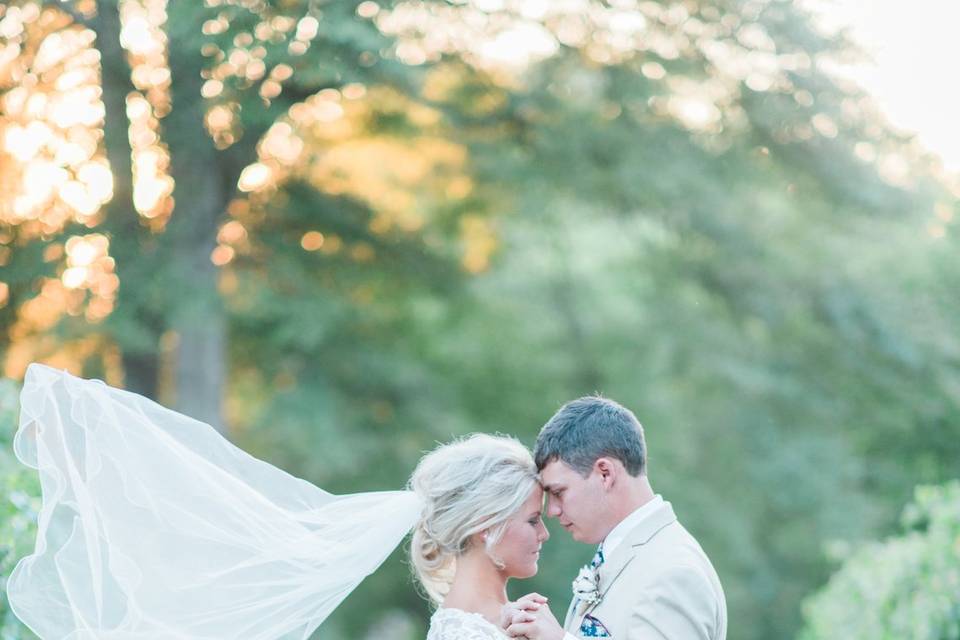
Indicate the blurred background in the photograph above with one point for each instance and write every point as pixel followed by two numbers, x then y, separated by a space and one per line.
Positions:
pixel 342 232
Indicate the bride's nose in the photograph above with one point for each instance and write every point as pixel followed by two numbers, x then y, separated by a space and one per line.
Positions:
pixel 543 535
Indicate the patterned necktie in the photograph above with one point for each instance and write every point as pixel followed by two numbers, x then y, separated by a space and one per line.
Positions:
pixel 597 558
pixel 590 627
pixel 594 564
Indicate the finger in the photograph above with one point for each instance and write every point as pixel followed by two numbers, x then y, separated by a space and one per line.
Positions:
pixel 519 630
pixel 531 598
pixel 520 617
pixel 509 611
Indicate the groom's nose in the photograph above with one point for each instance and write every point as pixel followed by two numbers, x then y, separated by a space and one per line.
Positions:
pixel 553 507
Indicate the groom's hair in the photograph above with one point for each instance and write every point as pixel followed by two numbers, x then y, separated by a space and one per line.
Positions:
pixel 589 428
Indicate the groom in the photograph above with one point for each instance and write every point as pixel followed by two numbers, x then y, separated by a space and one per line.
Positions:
pixel 649 579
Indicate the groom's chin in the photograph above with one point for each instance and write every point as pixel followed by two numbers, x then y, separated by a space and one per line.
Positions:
pixel 580 536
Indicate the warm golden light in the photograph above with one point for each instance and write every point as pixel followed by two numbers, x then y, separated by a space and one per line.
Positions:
pixel 211 89
pixel 312 240
pixel 254 176
pixel 232 232
pixel 97 180
pixel 479 243
pixel 653 70
pixel 270 89
pixel 354 91
pixel 222 255
pixel 910 58
pixel 74 277
pixel 362 252
pixel 281 144
pixel 281 72
pixel 332 244
pixel 307 28
pixel 368 9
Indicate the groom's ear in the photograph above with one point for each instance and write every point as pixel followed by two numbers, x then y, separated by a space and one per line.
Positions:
pixel 607 471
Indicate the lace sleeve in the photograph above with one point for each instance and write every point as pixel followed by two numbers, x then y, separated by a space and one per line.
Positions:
pixel 453 624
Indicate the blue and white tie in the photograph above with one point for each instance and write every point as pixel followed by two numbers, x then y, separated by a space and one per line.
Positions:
pixel 590 627
pixel 597 558
pixel 594 564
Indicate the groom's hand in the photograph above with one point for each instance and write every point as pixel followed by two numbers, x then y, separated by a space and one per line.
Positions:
pixel 529 602
pixel 530 617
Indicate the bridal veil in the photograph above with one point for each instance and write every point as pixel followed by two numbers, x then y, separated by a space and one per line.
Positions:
pixel 154 526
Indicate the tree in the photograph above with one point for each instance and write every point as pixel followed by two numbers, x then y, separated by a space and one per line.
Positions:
pixel 903 587
pixel 676 205
pixel 232 73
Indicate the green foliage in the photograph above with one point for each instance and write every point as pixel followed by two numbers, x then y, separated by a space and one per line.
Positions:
pixel 766 300
pixel 19 505
pixel 904 587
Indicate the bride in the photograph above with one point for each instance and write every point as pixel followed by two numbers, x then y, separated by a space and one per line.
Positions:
pixel 481 526
pixel 153 526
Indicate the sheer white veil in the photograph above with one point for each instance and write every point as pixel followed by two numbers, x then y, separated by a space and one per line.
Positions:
pixel 154 526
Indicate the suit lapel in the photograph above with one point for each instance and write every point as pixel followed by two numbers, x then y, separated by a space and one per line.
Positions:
pixel 626 552
pixel 610 571
pixel 571 615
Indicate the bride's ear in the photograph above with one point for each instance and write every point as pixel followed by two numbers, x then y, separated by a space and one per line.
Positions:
pixel 479 539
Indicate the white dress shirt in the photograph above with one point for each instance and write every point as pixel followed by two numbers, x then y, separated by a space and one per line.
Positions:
pixel 628 524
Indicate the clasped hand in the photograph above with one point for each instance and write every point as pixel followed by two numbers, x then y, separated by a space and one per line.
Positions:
pixel 530 617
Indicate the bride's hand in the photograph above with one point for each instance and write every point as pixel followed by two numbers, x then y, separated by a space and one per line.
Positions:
pixel 511 611
pixel 533 620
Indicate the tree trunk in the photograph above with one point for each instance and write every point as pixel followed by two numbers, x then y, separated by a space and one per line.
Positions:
pixel 141 358
pixel 201 198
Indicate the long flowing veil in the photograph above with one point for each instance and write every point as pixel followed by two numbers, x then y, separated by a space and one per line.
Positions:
pixel 154 526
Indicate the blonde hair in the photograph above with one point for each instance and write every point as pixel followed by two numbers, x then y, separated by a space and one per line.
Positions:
pixel 467 486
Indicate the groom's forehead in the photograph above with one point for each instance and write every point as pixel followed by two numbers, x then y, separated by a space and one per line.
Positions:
pixel 555 475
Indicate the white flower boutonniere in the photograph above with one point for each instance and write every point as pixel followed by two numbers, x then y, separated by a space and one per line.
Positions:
pixel 586 586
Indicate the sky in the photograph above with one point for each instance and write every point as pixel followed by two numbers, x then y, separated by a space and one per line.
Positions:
pixel 914 74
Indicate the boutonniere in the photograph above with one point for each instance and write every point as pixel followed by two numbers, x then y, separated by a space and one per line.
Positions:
pixel 586 586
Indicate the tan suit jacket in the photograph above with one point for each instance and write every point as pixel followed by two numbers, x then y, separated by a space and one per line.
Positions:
pixel 658 584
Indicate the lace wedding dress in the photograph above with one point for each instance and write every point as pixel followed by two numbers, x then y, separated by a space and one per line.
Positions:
pixel 456 624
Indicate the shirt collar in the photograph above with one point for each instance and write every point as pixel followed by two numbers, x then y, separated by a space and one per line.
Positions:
pixel 628 524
